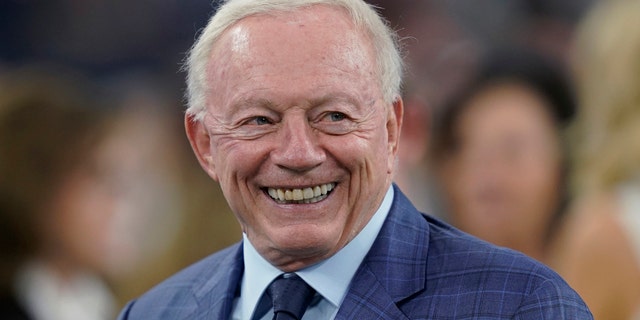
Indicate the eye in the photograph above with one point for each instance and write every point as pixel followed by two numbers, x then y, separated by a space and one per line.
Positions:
pixel 335 123
pixel 336 116
pixel 259 120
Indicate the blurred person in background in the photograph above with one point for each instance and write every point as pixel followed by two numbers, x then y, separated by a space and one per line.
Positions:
pixel 169 214
pixel 12 247
pixel 498 151
pixel 98 201
pixel 598 251
pixel 58 196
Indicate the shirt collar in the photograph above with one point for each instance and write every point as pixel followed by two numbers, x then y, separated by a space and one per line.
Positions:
pixel 332 285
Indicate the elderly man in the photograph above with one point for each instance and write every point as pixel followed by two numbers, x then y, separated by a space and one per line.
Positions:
pixel 294 108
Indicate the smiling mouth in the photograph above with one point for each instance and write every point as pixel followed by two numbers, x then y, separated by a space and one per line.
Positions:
pixel 301 196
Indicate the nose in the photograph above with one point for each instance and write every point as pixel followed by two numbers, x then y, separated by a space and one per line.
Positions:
pixel 297 148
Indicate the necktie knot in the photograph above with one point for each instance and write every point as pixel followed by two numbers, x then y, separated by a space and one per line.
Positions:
pixel 290 296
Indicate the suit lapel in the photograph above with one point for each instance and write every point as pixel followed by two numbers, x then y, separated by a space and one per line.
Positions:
pixel 215 297
pixel 393 270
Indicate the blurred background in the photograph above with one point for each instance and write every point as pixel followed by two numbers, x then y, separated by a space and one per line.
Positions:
pixel 491 98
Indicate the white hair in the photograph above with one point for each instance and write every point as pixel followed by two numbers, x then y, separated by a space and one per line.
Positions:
pixel 389 63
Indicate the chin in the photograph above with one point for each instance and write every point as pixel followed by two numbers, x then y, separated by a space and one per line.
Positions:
pixel 305 241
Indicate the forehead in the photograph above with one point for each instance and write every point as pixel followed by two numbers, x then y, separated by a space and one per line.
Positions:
pixel 506 108
pixel 315 34
pixel 508 99
pixel 291 53
pixel 307 23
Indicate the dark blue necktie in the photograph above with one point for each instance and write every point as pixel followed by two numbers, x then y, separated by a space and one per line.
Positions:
pixel 290 296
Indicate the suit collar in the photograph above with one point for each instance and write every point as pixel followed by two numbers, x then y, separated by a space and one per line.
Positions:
pixel 395 267
pixel 393 270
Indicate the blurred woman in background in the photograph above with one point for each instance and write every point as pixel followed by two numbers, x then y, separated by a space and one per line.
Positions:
pixel 599 250
pixel 100 195
pixel 57 200
pixel 498 151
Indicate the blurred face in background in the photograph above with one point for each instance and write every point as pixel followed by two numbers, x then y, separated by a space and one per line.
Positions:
pixel 117 207
pixel 78 220
pixel 502 179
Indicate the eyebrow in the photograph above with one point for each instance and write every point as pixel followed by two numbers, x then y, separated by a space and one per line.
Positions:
pixel 341 97
pixel 324 99
pixel 245 102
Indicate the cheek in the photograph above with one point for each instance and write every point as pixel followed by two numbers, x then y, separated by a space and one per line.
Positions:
pixel 541 173
pixel 371 150
pixel 82 214
pixel 450 177
pixel 237 163
pixel 238 159
pixel 94 213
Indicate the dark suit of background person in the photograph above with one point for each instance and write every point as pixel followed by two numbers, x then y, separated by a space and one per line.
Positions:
pixel 274 120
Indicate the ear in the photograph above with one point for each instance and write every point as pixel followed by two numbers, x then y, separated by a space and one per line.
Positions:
pixel 200 141
pixel 394 126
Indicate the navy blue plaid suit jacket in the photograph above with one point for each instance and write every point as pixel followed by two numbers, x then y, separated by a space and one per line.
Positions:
pixel 418 268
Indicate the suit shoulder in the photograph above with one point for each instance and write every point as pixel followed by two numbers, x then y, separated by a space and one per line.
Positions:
pixel 451 247
pixel 202 270
pixel 177 296
pixel 463 265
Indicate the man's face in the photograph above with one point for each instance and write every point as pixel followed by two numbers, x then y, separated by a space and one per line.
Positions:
pixel 297 133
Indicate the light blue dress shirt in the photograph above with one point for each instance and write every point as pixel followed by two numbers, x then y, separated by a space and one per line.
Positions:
pixel 330 278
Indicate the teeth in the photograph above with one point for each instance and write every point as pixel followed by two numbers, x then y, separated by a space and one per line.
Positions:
pixel 317 191
pixel 306 195
pixel 297 195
